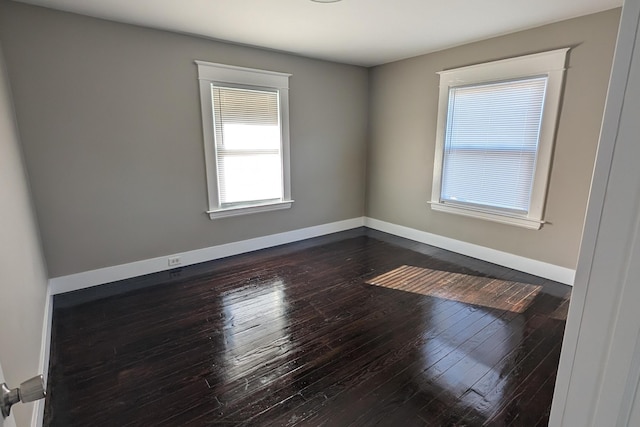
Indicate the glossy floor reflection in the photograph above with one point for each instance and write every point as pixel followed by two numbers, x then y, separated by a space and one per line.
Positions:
pixel 294 336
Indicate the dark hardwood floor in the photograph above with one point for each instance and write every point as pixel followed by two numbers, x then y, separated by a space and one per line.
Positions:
pixel 295 335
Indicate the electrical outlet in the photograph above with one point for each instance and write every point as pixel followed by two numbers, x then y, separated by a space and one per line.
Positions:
pixel 174 260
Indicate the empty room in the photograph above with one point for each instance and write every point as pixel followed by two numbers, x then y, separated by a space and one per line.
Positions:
pixel 319 213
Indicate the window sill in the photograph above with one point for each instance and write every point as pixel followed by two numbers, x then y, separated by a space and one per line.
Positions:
pixel 524 222
pixel 246 210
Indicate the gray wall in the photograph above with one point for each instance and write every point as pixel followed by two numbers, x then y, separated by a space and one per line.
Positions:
pixel 111 127
pixel 110 124
pixel 403 113
pixel 23 277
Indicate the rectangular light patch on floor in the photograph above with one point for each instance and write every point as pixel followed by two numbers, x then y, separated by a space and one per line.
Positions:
pixel 483 291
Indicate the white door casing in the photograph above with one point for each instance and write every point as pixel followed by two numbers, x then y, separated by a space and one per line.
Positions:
pixel 600 362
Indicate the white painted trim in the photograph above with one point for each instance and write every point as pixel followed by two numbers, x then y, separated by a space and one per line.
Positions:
pixel 244 210
pixel 37 418
pixel 531 266
pixel 101 276
pixel 518 66
pixel 489 215
pixel 594 301
pixel 550 64
pixel 224 75
pixel 72 282
pixel 599 182
pixel 211 71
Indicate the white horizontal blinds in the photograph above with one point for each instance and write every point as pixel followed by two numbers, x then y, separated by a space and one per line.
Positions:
pixel 491 144
pixel 248 144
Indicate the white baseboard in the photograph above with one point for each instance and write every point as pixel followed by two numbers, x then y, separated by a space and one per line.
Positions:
pixel 531 266
pixel 37 419
pixel 101 276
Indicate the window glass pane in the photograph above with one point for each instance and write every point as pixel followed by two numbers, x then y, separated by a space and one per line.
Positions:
pixel 510 169
pixel 491 143
pixel 243 136
pixel 250 177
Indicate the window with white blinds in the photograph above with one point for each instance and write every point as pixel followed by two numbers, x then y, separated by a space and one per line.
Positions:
pixel 245 124
pixel 496 128
pixel 247 135
pixel 491 144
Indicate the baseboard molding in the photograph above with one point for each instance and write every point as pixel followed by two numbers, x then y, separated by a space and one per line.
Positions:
pixel 531 266
pixel 87 279
pixel 101 276
pixel 37 419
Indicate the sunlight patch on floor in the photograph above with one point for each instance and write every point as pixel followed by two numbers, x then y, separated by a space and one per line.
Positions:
pixel 483 291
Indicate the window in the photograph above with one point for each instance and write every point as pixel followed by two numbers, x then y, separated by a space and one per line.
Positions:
pixel 494 142
pixel 245 117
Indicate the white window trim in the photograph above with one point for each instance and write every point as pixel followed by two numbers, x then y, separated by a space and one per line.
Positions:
pixel 550 64
pixel 212 73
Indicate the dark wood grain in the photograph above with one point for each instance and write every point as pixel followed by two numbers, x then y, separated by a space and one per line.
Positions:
pixel 294 335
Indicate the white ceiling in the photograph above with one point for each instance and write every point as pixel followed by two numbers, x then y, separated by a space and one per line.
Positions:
pixel 361 32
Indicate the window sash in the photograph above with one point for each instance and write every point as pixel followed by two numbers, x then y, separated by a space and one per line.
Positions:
pixel 491 142
pixel 248 145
